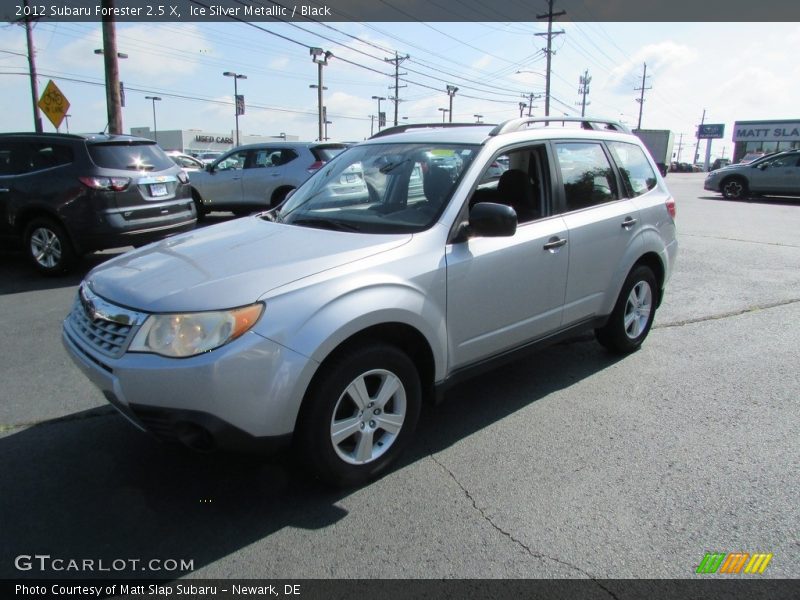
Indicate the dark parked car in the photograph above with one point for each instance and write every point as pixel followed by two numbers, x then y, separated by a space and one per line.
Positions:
pixel 65 195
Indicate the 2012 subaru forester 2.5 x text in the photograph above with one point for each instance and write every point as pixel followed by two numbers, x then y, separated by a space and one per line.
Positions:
pixel 326 323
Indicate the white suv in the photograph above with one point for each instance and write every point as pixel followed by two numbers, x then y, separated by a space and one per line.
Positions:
pixel 327 322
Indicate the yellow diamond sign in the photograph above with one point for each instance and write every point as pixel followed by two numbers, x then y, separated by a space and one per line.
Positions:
pixel 53 104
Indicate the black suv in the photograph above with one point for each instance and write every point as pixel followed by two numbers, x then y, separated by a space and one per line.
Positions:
pixel 66 195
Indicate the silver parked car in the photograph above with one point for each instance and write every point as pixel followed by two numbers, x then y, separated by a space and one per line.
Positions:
pixel 327 324
pixel 257 176
pixel 772 174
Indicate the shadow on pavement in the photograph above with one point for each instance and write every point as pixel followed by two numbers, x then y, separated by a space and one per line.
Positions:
pixel 91 486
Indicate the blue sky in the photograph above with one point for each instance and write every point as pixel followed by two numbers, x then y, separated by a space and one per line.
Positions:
pixel 737 71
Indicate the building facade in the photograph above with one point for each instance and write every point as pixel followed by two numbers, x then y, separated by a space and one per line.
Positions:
pixel 197 141
pixel 764 136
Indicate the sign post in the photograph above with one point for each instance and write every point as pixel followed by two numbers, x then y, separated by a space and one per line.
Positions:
pixel 710 131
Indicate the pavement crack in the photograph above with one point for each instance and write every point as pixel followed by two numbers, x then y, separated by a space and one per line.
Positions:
pixel 726 315
pixel 91 414
pixel 730 239
pixel 510 536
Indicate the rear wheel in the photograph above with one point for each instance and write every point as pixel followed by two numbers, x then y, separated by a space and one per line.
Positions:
pixel 359 414
pixel 734 188
pixel 633 314
pixel 48 247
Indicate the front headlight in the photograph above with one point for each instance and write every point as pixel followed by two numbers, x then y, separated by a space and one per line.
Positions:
pixel 188 334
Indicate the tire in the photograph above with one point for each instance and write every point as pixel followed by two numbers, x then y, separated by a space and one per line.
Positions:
pixel 734 188
pixel 633 314
pixel 343 443
pixel 198 205
pixel 279 196
pixel 48 247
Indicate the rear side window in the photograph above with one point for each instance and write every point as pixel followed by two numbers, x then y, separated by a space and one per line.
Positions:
pixel 586 174
pixel 19 158
pixel 130 157
pixel 637 174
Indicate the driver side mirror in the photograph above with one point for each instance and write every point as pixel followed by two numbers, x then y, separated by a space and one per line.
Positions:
pixel 488 219
pixel 210 168
pixel 763 166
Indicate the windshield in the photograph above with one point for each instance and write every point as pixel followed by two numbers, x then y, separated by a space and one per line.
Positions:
pixel 380 188
pixel 136 156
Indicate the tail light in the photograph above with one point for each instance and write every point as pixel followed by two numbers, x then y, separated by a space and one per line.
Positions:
pixel 113 184
pixel 316 166
pixel 671 206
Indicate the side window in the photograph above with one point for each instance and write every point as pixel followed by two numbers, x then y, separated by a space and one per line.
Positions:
pixel 46 156
pixel 586 174
pixel 637 174
pixel 790 160
pixel 237 160
pixel 516 178
pixel 15 158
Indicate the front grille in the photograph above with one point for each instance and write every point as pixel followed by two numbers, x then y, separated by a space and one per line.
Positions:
pixel 100 325
pixel 105 336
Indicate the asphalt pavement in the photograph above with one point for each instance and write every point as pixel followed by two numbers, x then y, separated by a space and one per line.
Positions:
pixel 572 463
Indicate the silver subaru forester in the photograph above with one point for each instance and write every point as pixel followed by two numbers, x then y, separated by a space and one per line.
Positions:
pixel 327 321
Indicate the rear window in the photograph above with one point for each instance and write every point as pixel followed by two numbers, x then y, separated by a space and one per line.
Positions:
pixel 130 157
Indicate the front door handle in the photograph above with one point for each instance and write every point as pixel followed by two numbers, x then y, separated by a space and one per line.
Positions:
pixel 629 222
pixel 555 243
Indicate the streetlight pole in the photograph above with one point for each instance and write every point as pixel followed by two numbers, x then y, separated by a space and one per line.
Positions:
pixel 451 91
pixel 478 118
pixel 155 127
pixel 444 113
pixel 320 56
pixel 379 98
pixel 236 77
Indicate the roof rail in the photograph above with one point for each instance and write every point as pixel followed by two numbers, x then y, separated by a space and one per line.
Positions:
pixel 586 123
pixel 407 126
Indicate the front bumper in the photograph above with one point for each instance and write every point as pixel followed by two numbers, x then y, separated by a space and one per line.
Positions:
pixel 246 394
pixel 711 185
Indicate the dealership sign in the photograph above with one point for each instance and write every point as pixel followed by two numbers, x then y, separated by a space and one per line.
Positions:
pixel 210 139
pixel 708 131
pixel 764 131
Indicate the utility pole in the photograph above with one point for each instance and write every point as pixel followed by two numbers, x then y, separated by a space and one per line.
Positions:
pixel 320 56
pixel 37 117
pixel 113 96
pixel 522 106
pixel 640 100
pixel 697 147
pixel 583 89
pixel 371 125
pixel 680 147
pixel 396 98
pixel 451 91
pixel 530 97
pixel 550 34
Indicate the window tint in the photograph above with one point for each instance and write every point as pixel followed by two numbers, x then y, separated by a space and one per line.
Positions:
pixel 586 174
pixel 19 158
pixel 270 157
pixel 326 153
pixel 637 174
pixel 130 157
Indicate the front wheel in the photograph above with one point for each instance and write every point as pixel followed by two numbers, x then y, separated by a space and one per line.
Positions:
pixel 734 188
pixel 359 414
pixel 48 247
pixel 633 314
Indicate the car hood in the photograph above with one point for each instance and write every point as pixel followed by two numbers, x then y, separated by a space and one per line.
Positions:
pixel 228 265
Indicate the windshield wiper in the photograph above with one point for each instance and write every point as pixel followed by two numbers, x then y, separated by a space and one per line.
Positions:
pixel 333 224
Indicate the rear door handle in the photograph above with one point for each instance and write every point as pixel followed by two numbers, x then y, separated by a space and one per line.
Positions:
pixel 555 243
pixel 629 222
